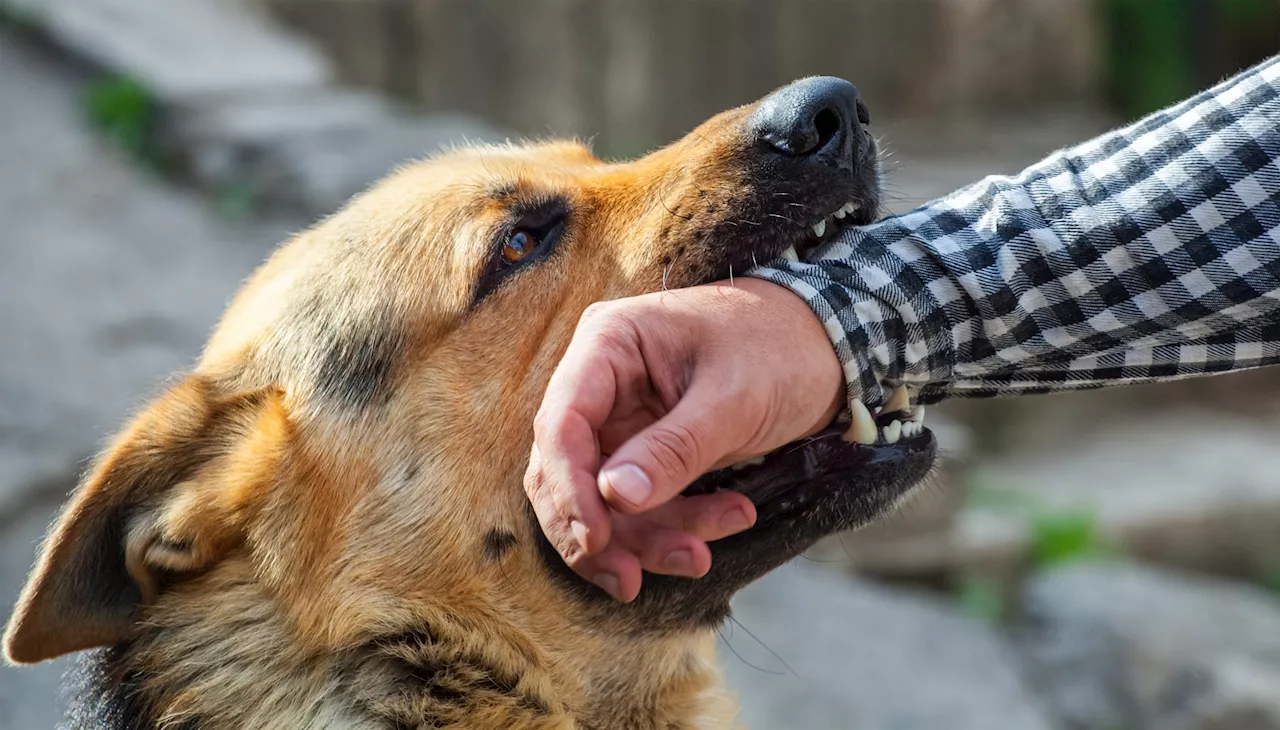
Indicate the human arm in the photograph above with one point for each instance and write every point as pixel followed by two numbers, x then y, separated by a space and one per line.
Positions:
pixel 1149 253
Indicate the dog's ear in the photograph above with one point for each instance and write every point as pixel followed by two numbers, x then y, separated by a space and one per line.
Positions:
pixel 167 499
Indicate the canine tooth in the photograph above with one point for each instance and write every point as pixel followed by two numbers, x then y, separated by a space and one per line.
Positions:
pixel 917 414
pixel 862 427
pixel 820 228
pixel 892 432
pixel 899 400
pixel 791 254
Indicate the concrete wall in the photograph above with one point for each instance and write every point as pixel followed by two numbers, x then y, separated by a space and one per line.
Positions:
pixel 636 72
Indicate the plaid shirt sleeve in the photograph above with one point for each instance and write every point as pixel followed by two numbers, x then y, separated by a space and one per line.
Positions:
pixel 1149 253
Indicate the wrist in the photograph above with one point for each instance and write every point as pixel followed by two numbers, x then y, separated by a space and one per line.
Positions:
pixel 788 324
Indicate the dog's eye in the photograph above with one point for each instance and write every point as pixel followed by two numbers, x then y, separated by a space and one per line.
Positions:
pixel 519 244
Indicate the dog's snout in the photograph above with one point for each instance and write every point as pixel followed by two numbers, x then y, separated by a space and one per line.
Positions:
pixel 813 116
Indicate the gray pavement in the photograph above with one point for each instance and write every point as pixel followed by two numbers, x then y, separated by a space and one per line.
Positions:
pixel 110 280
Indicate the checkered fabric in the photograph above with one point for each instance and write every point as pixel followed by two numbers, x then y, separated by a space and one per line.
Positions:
pixel 1150 253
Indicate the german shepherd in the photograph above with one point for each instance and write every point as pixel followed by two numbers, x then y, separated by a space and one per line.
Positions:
pixel 324 526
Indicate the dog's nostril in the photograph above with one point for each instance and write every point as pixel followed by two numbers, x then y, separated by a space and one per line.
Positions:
pixel 827 124
pixel 813 115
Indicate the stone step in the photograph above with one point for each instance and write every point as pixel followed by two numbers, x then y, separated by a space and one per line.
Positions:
pixel 1121 646
pixel 810 650
pixel 247 108
pixel 182 50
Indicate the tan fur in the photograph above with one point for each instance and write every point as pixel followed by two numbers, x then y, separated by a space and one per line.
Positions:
pixel 275 530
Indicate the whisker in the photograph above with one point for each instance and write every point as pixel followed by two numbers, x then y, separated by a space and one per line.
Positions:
pixel 744 661
pixel 766 646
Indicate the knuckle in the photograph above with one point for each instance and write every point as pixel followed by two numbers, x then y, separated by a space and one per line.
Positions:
pixel 542 420
pixel 572 555
pixel 676 449
pixel 595 311
pixel 533 482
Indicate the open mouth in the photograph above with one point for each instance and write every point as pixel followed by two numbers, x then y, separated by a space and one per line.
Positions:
pixel 856 451
pixel 816 235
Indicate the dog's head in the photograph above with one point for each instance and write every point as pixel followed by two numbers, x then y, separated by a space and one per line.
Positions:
pixel 343 469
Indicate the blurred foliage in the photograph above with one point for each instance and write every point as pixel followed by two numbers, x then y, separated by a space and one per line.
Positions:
pixel 1148 64
pixel 236 201
pixel 18 20
pixel 126 113
pixel 1162 51
pixel 1065 536
pixel 981 599
pixel 1270 577
pixel 1056 535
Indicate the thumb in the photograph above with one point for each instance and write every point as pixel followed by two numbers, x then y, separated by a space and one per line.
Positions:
pixel 659 462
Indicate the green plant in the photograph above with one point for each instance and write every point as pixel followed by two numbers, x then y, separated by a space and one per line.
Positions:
pixel 18 20
pixel 1056 534
pixel 1148 62
pixel 236 201
pixel 997 498
pixel 981 599
pixel 126 113
pixel 1269 576
pixel 1065 536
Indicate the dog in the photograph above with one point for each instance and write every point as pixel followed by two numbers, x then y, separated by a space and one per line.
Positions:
pixel 323 525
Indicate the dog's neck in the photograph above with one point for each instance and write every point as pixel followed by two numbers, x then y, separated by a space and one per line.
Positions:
pixel 243 671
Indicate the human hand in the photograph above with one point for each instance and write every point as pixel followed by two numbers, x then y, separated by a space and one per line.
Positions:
pixel 654 391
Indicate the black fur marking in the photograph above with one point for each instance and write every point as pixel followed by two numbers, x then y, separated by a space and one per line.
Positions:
pixel 102 695
pixel 356 368
pixel 497 543
pixel 450 678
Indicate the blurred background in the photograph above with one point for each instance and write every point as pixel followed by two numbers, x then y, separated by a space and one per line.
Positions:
pixel 1099 561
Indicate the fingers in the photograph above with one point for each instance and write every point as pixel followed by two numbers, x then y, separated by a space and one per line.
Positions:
pixel 670 540
pixel 706 516
pixel 577 403
pixel 663 459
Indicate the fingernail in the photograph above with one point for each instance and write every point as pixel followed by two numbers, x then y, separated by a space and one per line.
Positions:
pixel 679 561
pixel 628 482
pixel 735 521
pixel 607 581
pixel 579 533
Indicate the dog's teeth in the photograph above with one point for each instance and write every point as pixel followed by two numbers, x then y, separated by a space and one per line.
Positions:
pixel 917 414
pixel 791 254
pixel 820 228
pixel 851 206
pixel 910 429
pixel 754 461
pixel 892 432
pixel 862 427
pixel 840 214
pixel 899 400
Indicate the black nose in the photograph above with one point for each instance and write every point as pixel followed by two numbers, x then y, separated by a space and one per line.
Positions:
pixel 811 116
